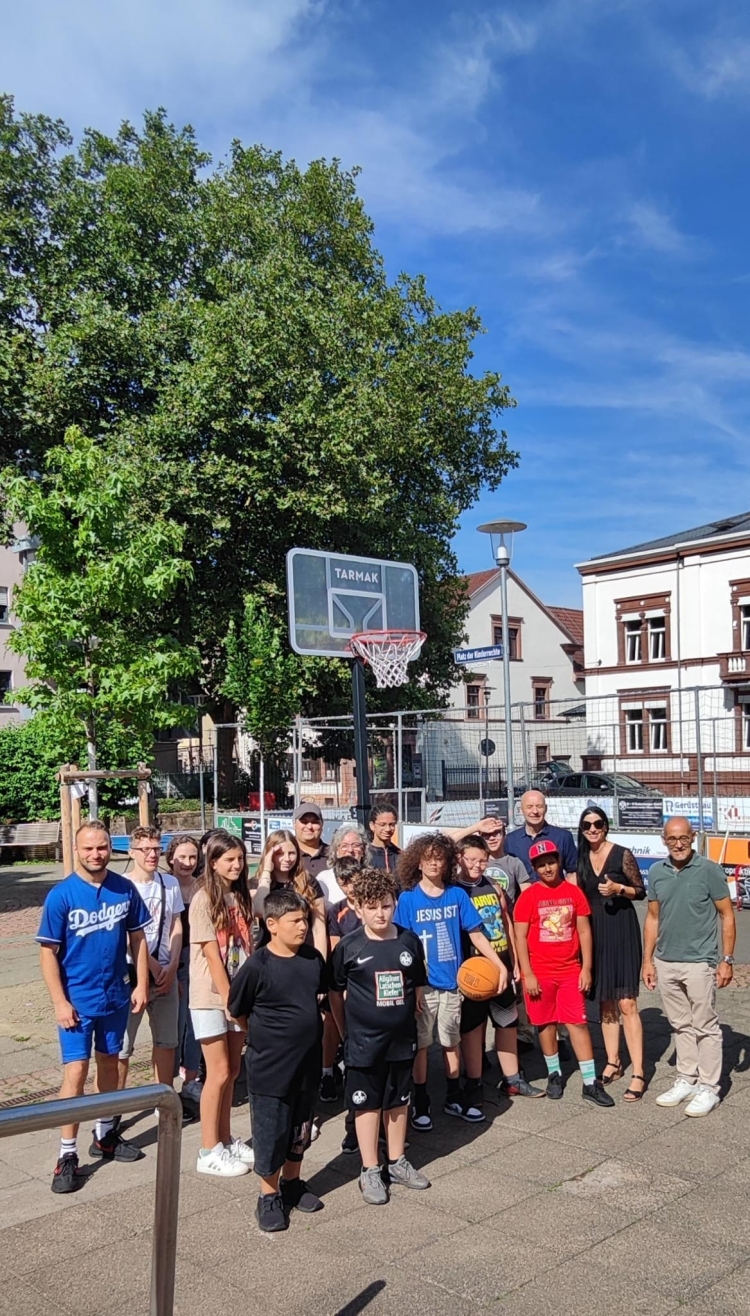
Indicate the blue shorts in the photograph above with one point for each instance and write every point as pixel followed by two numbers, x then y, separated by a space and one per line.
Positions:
pixel 107 1032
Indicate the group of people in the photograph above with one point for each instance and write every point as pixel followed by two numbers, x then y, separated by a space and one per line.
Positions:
pixel 353 950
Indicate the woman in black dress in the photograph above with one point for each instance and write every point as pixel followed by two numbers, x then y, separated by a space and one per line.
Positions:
pixel 610 877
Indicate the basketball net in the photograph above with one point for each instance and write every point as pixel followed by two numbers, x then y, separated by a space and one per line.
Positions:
pixel 388 653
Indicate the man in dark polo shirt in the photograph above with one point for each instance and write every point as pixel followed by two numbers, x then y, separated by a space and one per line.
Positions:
pixel 308 828
pixel 688 899
pixel 536 828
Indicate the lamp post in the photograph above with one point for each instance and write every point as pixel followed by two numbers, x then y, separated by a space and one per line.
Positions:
pixel 497 530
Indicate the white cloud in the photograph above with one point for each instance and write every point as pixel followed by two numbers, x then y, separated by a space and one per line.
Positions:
pixel 718 67
pixel 652 228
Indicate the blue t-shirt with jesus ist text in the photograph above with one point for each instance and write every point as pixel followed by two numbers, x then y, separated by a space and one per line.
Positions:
pixel 438 921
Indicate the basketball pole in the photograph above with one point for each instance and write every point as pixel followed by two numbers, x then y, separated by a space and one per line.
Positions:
pixel 359 709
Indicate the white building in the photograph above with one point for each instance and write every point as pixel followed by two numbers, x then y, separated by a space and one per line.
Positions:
pixel 667 650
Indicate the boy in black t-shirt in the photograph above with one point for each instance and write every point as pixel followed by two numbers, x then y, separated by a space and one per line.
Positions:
pixel 278 988
pixel 381 969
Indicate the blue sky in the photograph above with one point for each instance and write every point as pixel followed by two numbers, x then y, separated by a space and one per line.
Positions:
pixel 577 169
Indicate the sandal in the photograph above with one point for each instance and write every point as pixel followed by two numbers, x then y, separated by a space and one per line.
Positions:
pixel 631 1094
pixel 616 1065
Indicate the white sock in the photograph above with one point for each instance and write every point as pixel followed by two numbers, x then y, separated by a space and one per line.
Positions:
pixel 210 1150
pixel 103 1127
pixel 68 1146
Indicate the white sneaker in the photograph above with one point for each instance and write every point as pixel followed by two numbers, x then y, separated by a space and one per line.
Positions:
pixel 315 1130
pixel 221 1161
pixel 704 1101
pixel 241 1152
pixel 679 1091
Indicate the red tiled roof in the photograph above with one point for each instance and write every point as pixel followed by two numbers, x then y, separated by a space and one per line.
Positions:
pixel 478 579
pixel 572 620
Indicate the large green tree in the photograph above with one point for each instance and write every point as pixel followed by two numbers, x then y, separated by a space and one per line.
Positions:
pixel 233 331
pixel 88 605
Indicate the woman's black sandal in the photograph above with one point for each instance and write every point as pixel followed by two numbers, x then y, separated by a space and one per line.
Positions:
pixel 631 1094
pixel 612 1078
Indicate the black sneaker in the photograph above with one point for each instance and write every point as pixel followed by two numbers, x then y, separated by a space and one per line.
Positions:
pixel 329 1088
pixel 114 1148
pixel 67 1177
pixel 595 1092
pixel 464 1110
pixel 421 1119
pixel 270 1213
pixel 554 1087
pixel 296 1195
pixel 349 1143
pixel 520 1089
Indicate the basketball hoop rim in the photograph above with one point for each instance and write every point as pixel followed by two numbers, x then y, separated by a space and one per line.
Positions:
pixel 394 635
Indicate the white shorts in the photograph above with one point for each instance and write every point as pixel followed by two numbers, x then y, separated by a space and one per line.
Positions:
pixel 212 1023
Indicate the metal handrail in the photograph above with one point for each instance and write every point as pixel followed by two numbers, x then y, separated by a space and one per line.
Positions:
pixel 105 1105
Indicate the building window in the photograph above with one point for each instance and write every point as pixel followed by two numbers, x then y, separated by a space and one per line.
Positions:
pixel 657 639
pixel 330 772
pixel 6 683
pixel 633 642
pixel 541 700
pixel 657 723
pixel 542 755
pixel 4 614
pixel 745 726
pixel 634 730
pixel 473 701
pixel 514 636
pixel 745 625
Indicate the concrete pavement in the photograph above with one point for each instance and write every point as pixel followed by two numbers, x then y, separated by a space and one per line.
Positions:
pixel 548 1206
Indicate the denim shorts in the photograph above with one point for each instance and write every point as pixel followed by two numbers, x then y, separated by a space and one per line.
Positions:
pixel 106 1032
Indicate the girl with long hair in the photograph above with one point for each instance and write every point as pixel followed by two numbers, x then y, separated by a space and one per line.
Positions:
pixel 221 917
pixel 281 865
pixel 383 821
pixel 609 876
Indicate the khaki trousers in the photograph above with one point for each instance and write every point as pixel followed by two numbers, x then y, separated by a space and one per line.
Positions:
pixel 688 994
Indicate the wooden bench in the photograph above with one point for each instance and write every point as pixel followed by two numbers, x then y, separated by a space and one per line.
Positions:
pixel 27 834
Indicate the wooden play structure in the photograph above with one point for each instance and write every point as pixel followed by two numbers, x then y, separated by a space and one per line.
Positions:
pixel 70 805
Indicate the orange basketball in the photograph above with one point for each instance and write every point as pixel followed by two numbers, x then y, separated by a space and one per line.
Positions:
pixel 478 980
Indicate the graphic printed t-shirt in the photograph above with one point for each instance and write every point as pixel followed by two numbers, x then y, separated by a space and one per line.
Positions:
pixel 508 873
pixel 486 902
pixel 279 994
pixel 379 978
pixel 234 942
pixel 438 922
pixel 551 913
pixel 341 919
pixel 152 893
pixel 90 923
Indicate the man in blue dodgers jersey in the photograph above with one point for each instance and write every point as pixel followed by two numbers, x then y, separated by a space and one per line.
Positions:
pixel 83 935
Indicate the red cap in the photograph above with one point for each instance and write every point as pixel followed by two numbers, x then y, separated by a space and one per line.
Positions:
pixel 541 848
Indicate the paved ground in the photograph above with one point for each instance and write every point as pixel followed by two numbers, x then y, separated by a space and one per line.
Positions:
pixel 548 1206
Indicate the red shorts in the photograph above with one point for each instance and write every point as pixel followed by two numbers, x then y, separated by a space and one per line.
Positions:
pixel 561 1001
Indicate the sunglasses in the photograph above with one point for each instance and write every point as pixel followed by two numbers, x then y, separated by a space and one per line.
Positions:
pixel 596 826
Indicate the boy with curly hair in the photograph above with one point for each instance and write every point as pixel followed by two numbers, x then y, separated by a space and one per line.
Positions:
pixel 440 914
pixel 381 970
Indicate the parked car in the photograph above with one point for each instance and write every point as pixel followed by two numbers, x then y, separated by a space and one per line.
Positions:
pixel 600 783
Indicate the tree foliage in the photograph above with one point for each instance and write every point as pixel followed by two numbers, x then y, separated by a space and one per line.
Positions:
pixel 266 683
pixel 231 334
pixel 88 604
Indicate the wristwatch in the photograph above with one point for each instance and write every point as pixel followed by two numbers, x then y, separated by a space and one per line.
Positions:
pixel 727 959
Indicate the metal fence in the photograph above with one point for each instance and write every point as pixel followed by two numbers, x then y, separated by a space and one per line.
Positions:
pixel 691 745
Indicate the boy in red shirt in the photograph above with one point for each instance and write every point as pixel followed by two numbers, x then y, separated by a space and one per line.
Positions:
pixel 554 948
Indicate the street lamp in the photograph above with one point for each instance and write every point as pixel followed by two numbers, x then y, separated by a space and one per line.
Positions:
pixel 497 530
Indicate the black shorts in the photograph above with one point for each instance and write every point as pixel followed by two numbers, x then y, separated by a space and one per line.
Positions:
pixel 501 1010
pixel 281 1129
pixel 380 1087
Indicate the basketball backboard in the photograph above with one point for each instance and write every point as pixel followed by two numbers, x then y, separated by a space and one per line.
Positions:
pixel 332 597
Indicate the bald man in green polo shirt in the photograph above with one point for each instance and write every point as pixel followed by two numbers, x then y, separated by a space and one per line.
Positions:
pixel 688 900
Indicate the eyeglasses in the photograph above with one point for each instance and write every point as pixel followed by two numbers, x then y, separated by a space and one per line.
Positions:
pixel 147 849
pixel 596 826
pixel 678 840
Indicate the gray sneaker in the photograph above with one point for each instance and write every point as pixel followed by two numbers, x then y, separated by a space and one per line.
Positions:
pixel 372 1187
pixel 402 1172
